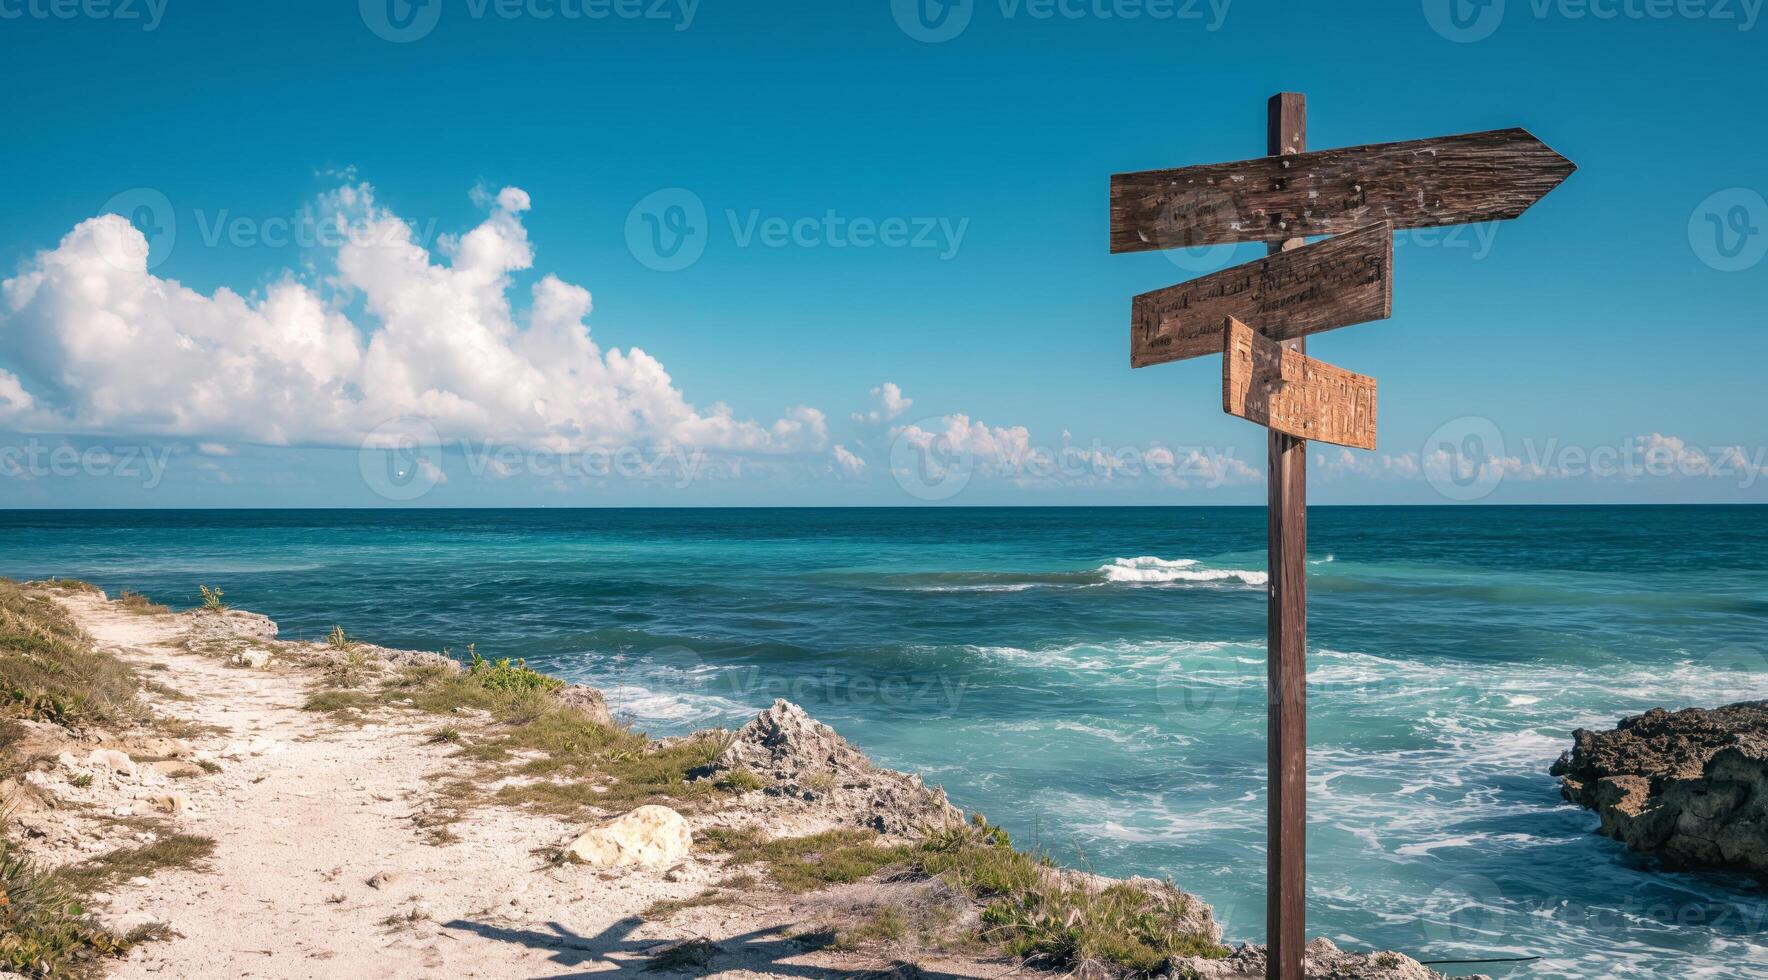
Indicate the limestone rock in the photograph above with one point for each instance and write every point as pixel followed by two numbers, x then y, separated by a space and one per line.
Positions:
pixel 169 802
pixel 588 700
pixel 252 658
pixel 803 759
pixel 1690 786
pixel 1321 961
pixel 111 760
pixel 649 837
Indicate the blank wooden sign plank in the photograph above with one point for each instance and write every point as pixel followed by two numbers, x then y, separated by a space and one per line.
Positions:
pixel 1419 183
pixel 1264 382
pixel 1334 283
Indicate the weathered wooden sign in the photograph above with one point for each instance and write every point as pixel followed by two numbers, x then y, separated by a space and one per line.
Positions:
pixel 1420 183
pixel 1335 283
pixel 1265 382
pixel 1259 315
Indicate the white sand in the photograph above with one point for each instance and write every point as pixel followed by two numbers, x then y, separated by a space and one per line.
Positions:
pixel 300 830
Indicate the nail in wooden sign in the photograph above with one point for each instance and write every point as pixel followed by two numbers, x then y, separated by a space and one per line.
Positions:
pixel 1335 283
pixel 1448 180
pixel 1265 382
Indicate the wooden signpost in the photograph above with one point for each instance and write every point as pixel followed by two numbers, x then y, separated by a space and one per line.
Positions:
pixel 1258 316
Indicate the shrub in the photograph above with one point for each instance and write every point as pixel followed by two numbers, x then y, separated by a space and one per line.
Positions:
pixel 212 599
pixel 49 671
pixel 141 605
pixel 44 932
pixel 503 675
pixel 338 641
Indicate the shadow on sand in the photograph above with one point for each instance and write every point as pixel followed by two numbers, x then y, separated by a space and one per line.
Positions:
pixel 762 950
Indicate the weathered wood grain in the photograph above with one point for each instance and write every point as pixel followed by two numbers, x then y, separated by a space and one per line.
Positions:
pixel 1286 622
pixel 1414 184
pixel 1293 393
pixel 1335 283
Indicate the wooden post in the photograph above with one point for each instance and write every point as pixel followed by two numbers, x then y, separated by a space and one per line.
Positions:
pixel 1287 624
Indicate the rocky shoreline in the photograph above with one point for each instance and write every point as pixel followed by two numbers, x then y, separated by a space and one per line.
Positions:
pixel 1689 786
pixel 777 850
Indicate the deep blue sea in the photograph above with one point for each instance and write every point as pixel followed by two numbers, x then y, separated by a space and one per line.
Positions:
pixel 1093 678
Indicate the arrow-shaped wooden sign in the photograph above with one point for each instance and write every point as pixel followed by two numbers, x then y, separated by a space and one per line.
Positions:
pixel 1335 283
pixel 1419 183
pixel 1267 383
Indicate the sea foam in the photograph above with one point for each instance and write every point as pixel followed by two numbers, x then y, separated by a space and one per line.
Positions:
pixel 1148 569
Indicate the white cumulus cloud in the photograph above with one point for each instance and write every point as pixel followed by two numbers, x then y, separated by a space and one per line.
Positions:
pixel 97 343
pixel 891 404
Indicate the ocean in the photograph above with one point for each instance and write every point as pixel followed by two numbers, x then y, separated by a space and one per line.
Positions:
pixel 1093 678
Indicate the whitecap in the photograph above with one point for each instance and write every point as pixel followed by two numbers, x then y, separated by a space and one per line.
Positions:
pixel 1148 569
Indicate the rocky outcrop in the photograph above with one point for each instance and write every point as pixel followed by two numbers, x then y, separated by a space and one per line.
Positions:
pixel 1689 786
pixel 586 699
pixel 648 837
pixel 1322 961
pixel 800 763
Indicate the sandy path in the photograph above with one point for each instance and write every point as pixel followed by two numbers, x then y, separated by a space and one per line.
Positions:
pixel 302 827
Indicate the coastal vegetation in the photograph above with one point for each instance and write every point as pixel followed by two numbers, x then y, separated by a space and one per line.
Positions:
pixel 539 754
pixel 51 673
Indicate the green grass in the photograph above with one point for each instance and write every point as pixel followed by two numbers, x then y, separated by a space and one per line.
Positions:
pixel 73 585
pixel 502 675
pixel 44 930
pixel 802 864
pixel 740 781
pixel 212 599
pixel 1063 923
pixel 106 870
pixel 141 605
pixel 50 672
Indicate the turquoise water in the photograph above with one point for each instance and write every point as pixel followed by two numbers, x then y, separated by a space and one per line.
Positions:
pixel 1093 678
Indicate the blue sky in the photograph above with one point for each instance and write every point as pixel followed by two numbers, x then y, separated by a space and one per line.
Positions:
pixel 1607 346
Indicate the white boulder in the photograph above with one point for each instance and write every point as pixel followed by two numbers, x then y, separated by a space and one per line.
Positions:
pixel 648 837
